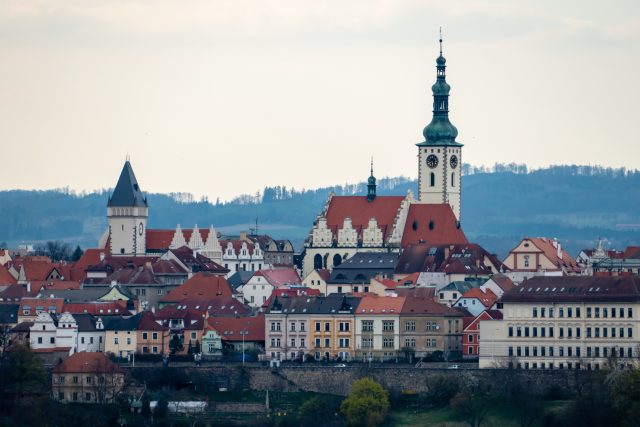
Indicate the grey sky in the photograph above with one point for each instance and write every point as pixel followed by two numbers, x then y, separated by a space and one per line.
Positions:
pixel 224 97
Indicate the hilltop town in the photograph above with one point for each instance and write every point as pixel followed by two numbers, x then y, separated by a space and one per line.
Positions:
pixel 380 281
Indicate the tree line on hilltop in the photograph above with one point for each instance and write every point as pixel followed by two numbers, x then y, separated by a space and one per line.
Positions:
pixel 501 204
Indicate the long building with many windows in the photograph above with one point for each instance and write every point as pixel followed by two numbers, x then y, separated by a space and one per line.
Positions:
pixel 565 323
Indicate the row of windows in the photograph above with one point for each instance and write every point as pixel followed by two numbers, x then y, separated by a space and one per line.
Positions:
pixel 591 312
pixel 561 365
pixel 74 396
pixel 154 335
pixel 596 332
pixel 570 351
pixel 76 380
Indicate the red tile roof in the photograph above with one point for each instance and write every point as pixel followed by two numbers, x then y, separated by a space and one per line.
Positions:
pixel 43 303
pixel 503 282
pixel 160 240
pixel 324 273
pixel 486 298
pixel 383 208
pixel 58 285
pixel 435 224
pixel 106 308
pixel 148 323
pixel 632 252
pixel 546 246
pixel 237 245
pixel 466 258
pixel 229 328
pixel 280 277
pixel 426 306
pixel 87 362
pixel 377 305
pixel 37 270
pixel 220 306
pixel 204 285
pixel 5 277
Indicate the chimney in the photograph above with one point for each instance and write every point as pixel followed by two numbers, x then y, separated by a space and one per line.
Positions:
pixel 559 250
pixel 243 235
pixel 101 256
pixel 114 283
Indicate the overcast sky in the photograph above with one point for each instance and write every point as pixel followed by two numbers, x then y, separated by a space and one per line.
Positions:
pixel 219 98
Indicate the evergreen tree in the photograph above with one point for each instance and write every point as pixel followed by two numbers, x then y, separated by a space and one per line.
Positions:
pixel 77 254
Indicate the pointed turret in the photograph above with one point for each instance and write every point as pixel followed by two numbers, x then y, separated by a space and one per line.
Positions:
pixel 127 213
pixel 127 192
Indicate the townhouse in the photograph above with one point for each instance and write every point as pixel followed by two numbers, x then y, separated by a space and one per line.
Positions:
pixel 321 327
pixel 120 335
pixel 427 327
pixel 378 327
pixel 151 337
pixel 572 322
pixel 332 325
pixel 287 328
pixel 471 335
pixel 88 378
pixel 259 288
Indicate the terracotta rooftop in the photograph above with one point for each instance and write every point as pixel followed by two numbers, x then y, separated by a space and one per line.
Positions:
pixel 383 208
pixel 87 362
pixel 280 276
pixel 434 224
pixel 202 285
pixel 5 277
pixel 486 298
pixel 377 305
pixel 230 328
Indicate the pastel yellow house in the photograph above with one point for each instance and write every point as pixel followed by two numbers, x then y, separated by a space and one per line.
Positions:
pixel 317 279
pixel 332 327
pixel 120 335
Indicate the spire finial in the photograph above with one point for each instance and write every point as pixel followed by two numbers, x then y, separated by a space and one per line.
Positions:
pixel 371 165
pixel 128 158
pixel 440 41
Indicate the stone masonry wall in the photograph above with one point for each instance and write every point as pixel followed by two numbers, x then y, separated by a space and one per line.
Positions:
pixel 338 381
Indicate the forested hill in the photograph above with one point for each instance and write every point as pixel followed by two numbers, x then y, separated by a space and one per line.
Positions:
pixel 576 204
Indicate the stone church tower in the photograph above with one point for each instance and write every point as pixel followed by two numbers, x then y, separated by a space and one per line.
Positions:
pixel 440 155
pixel 127 213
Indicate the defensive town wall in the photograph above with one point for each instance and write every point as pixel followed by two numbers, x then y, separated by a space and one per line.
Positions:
pixel 334 380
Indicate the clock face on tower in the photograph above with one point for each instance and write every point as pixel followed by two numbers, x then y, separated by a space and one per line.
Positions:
pixel 432 161
pixel 454 161
pixel 140 229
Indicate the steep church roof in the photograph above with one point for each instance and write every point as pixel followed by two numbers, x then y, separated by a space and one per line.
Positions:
pixel 127 192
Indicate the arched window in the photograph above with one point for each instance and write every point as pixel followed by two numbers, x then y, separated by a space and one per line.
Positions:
pixel 453 179
pixel 337 260
pixel 317 262
pixel 433 179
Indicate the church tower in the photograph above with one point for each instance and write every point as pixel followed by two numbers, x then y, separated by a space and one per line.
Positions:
pixel 127 213
pixel 440 154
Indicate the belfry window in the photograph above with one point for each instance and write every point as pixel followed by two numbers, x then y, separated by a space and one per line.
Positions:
pixel 433 179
